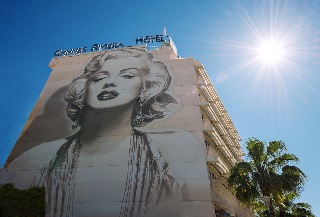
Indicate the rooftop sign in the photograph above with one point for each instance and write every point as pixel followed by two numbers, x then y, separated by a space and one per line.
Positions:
pixel 101 47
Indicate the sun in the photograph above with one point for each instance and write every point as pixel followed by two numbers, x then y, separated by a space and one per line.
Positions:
pixel 271 51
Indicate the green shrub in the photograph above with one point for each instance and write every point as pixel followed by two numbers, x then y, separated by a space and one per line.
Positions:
pixel 21 203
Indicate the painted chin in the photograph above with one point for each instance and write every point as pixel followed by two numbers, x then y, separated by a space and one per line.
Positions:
pixel 107 95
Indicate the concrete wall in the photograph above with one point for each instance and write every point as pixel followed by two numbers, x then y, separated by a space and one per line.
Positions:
pixel 224 199
pixel 5 176
pixel 136 145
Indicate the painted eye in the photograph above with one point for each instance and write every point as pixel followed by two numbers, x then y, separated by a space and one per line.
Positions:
pixel 128 76
pixel 98 79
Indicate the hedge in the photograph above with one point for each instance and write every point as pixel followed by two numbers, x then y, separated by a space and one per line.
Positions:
pixel 21 203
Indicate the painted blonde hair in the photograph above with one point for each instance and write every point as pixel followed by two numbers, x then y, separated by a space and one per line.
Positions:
pixel 150 105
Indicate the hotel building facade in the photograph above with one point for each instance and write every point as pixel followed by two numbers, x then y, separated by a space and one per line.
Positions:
pixel 129 132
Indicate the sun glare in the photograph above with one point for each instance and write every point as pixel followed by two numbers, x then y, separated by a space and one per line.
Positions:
pixel 269 39
pixel 270 44
pixel 271 51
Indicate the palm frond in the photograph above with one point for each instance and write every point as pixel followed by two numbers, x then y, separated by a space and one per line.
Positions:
pixel 282 160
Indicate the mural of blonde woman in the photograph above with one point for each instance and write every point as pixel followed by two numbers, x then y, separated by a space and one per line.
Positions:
pixel 110 167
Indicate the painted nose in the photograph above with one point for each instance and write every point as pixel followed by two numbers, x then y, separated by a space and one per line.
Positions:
pixel 111 81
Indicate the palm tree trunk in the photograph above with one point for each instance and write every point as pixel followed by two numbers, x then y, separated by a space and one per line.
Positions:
pixel 271 209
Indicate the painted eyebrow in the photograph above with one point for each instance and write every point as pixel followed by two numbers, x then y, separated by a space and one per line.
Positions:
pixel 103 72
pixel 124 70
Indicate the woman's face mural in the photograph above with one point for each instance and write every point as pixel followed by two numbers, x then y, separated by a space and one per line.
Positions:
pixel 142 167
pixel 117 83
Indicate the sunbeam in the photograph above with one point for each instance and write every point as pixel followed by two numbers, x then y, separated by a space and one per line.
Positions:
pixel 273 43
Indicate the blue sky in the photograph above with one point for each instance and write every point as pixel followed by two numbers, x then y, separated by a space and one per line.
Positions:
pixel 279 102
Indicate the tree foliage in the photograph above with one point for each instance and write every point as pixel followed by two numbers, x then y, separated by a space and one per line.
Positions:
pixel 299 210
pixel 15 202
pixel 268 178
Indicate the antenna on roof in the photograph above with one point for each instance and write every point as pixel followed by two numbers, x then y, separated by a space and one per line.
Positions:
pixel 165 31
pixel 170 42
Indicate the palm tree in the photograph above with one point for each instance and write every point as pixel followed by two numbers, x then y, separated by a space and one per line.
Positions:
pixel 299 210
pixel 267 177
pixel 291 209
